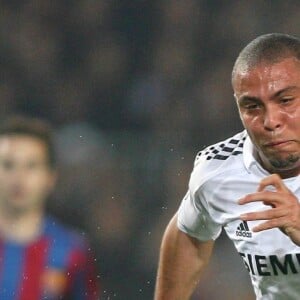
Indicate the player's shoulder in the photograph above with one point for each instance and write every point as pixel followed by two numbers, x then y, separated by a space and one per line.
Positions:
pixel 219 158
pixel 223 150
pixel 64 234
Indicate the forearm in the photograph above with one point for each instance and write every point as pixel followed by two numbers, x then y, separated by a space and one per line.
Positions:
pixel 182 260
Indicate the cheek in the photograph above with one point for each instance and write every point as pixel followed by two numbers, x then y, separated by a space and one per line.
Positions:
pixel 5 185
pixel 38 184
pixel 292 117
pixel 251 123
pixel 7 181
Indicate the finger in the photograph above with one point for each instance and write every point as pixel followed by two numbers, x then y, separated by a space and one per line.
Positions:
pixel 273 223
pixel 264 215
pixel 267 197
pixel 274 180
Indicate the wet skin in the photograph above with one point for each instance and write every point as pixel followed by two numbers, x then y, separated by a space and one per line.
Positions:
pixel 268 98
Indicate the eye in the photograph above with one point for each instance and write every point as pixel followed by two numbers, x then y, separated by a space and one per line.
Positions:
pixel 286 100
pixel 251 106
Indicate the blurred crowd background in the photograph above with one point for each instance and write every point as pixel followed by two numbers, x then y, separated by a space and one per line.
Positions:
pixel 134 89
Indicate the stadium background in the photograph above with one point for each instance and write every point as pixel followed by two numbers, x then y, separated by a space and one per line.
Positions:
pixel 134 89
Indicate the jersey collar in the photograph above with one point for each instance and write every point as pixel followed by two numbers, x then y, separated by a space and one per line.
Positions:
pixel 248 154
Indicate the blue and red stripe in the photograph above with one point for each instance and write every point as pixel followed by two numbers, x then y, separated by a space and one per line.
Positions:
pixel 35 257
pixel 27 270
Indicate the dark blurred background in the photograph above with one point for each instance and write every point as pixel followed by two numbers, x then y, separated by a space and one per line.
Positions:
pixel 134 90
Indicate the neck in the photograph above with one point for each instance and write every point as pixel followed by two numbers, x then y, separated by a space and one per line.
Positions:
pixel 21 227
pixel 286 173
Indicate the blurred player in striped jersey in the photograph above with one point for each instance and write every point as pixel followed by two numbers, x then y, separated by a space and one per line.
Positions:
pixel 39 257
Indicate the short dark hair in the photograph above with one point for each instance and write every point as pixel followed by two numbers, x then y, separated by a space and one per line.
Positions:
pixel 269 48
pixel 27 126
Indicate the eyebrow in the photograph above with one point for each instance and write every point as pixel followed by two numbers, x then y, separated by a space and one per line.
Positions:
pixel 248 98
pixel 277 94
pixel 287 89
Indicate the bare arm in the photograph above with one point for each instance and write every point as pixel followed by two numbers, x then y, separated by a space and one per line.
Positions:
pixel 182 260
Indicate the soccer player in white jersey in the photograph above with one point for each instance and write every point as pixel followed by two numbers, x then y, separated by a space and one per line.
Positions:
pixel 248 184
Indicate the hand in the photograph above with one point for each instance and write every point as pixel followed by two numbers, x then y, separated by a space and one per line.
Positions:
pixel 285 208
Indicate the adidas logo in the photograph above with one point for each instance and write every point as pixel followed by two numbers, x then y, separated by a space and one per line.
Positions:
pixel 243 230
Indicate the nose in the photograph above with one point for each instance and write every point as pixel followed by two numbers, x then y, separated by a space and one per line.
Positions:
pixel 272 118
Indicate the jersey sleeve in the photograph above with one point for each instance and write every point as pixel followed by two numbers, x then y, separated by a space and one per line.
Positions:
pixel 193 215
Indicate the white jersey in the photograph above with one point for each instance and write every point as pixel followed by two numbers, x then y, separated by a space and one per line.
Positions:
pixel 224 173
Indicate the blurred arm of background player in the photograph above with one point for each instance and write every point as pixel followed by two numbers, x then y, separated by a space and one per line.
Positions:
pixel 182 261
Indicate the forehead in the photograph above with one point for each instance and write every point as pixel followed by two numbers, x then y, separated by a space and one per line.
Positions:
pixel 22 146
pixel 267 78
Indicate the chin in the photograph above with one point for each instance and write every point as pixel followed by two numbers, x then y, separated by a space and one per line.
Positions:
pixel 289 162
pixel 288 167
pixel 285 163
